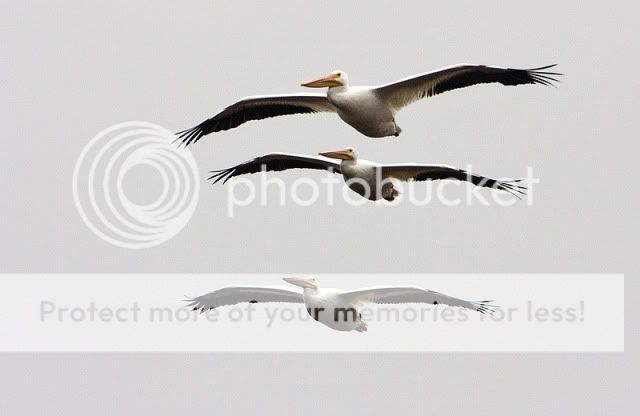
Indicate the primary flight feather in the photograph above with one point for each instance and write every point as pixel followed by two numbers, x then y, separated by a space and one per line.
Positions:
pixel 370 110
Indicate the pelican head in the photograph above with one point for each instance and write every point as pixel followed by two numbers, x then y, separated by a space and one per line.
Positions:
pixel 303 282
pixel 345 154
pixel 335 79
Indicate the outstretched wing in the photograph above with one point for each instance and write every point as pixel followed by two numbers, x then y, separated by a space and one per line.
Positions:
pixel 257 108
pixel 408 172
pixel 233 295
pixel 405 91
pixel 275 162
pixel 411 294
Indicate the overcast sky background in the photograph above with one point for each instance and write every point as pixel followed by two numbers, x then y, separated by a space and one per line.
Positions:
pixel 71 69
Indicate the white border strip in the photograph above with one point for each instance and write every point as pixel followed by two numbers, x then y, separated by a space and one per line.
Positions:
pixel 145 312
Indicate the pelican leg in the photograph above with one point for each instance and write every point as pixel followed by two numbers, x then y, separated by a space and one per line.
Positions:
pixel 389 193
pixel 361 326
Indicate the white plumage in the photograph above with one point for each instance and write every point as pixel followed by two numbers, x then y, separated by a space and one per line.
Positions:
pixel 370 110
pixel 368 179
pixel 335 308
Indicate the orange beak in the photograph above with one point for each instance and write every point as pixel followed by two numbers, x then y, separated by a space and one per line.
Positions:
pixel 325 81
pixel 338 154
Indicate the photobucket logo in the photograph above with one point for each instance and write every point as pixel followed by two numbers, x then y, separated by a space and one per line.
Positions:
pixel 465 190
pixel 99 185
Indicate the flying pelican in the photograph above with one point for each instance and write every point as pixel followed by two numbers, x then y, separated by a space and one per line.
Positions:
pixel 368 179
pixel 335 308
pixel 370 110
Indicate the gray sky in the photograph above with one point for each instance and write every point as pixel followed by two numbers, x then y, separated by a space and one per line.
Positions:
pixel 78 69
pixel 74 68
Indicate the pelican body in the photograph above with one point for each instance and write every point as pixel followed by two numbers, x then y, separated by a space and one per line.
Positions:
pixel 364 110
pixel 370 110
pixel 370 180
pixel 363 176
pixel 338 309
pixel 328 307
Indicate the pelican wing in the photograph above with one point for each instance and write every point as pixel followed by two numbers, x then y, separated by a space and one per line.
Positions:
pixel 405 91
pixel 275 162
pixel 407 172
pixel 233 295
pixel 411 294
pixel 257 108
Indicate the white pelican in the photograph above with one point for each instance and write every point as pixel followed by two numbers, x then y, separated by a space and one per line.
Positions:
pixel 370 110
pixel 335 308
pixel 368 179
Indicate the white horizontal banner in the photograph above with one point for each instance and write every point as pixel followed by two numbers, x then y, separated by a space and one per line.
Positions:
pixel 147 312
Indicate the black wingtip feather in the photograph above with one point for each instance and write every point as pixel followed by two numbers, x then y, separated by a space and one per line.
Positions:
pixel 485 307
pixel 511 187
pixel 189 136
